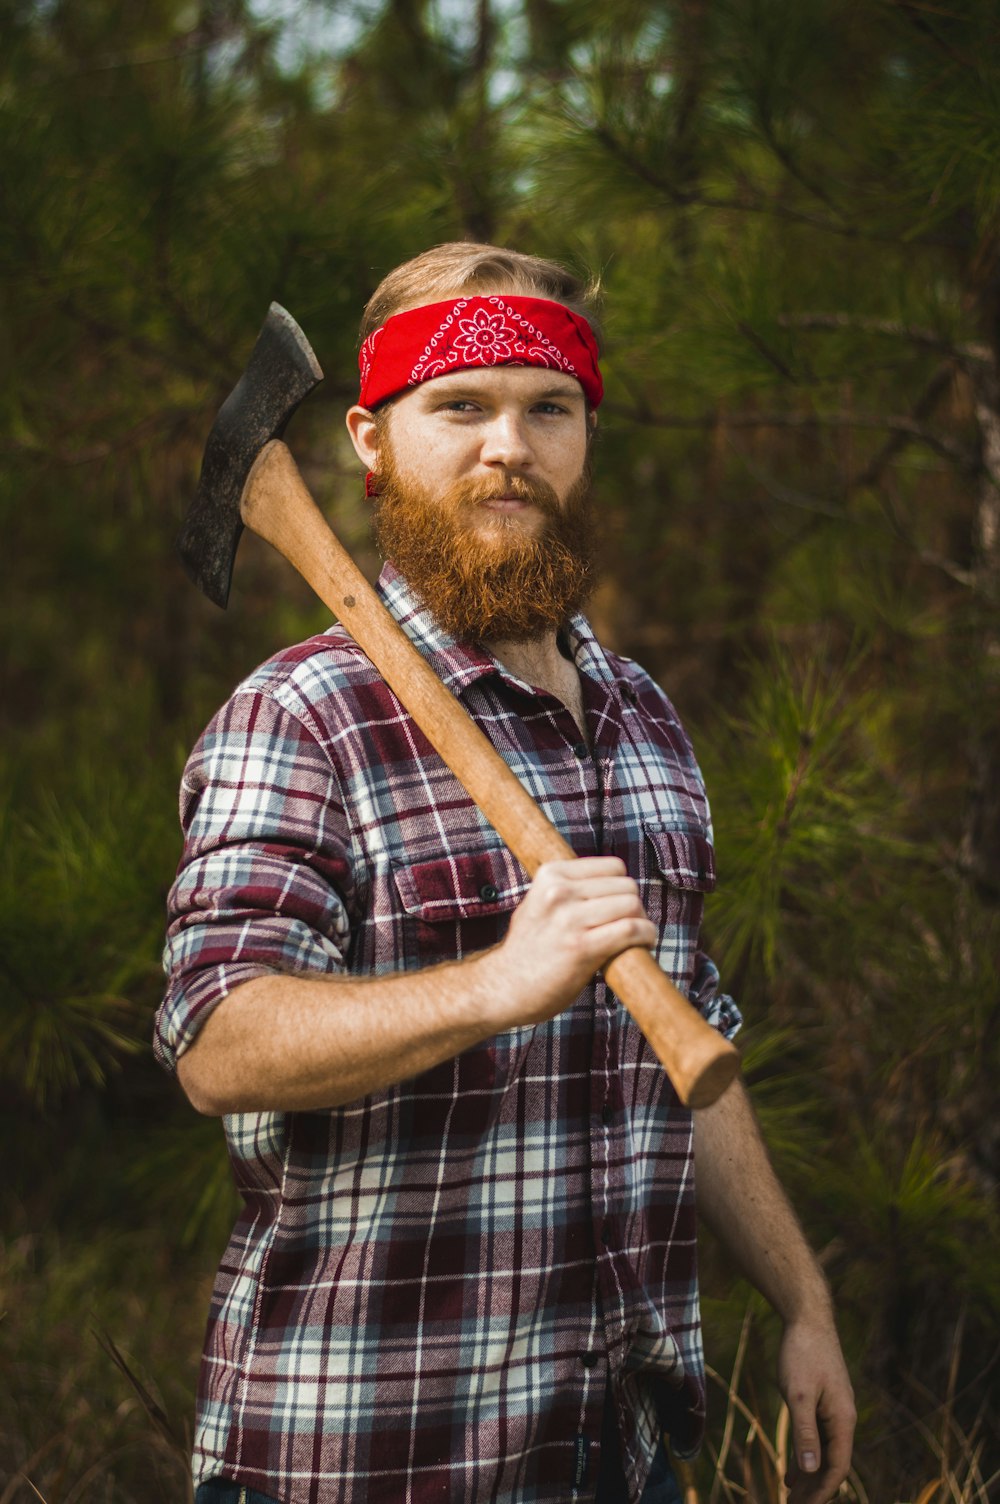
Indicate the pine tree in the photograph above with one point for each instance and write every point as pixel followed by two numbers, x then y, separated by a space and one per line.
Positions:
pixel 794 207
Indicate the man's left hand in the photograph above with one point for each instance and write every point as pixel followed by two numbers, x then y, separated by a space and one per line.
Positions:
pixel 813 1379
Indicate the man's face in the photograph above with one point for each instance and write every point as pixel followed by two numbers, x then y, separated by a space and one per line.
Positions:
pixel 484 499
pixel 477 424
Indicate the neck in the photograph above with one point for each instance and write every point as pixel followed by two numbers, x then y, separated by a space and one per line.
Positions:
pixel 540 663
pixel 536 660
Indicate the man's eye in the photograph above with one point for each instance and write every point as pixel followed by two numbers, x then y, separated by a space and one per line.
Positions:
pixel 459 405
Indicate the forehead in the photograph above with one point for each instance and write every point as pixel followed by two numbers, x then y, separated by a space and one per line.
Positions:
pixel 498 383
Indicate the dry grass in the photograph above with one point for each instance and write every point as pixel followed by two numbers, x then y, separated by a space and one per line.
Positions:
pixel 81 1422
pixel 746 1463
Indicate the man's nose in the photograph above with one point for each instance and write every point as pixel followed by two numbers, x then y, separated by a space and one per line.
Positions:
pixel 506 442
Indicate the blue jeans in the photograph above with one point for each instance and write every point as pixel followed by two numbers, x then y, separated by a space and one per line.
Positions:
pixel 221 1491
pixel 661 1485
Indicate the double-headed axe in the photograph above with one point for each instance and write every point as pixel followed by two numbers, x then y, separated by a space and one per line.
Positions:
pixel 249 478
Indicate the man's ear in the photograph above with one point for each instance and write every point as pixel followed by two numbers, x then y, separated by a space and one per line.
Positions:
pixel 363 430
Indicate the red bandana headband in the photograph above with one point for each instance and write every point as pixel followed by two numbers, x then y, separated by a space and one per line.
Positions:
pixel 442 338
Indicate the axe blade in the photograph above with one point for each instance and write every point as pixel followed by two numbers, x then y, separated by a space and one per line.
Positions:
pixel 282 369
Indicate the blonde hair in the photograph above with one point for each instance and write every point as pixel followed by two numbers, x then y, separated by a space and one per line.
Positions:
pixel 464 266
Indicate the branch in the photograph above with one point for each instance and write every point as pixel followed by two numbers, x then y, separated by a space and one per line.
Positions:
pixel 891 329
pixel 816 505
pixel 185 46
pixel 786 494
pixel 762 348
pixel 925 404
pixel 107 334
pixel 903 431
pixel 789 163
pixel 965 459
pixel 912 11
pixel 966 577
pixel 171 420
pixel 683 198
pixel 191 326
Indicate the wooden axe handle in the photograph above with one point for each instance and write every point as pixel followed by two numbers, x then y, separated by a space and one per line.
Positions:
pixel 277 505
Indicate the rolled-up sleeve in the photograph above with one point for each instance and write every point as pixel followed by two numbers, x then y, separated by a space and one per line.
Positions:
pixel 716 1007
pixel 265 879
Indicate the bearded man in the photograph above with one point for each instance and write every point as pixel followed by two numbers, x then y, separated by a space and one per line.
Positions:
pixel 465 1265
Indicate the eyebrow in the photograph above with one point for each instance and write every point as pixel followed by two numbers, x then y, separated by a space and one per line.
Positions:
pixel 561 391
pixel 458 393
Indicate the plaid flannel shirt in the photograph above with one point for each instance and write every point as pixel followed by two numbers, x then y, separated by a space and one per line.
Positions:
pixel 427 1290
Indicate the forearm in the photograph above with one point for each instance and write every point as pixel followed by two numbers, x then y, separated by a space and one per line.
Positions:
pixel 288 1043
pixel 295 1042
pixel 741 1200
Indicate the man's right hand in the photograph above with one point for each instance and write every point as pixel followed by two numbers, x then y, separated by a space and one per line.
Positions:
pixel 576 916
pixel 293 1042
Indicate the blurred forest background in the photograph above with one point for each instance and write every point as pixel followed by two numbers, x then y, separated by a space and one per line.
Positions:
pixel 794 207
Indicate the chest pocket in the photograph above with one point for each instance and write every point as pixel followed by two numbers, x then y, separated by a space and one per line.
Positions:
pixel 679 871
pixel 451 907
pixel 455 905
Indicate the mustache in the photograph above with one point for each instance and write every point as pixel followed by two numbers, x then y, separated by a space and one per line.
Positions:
pixel 506 483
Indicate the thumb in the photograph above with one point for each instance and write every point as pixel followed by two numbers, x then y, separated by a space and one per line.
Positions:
pixel 805 1435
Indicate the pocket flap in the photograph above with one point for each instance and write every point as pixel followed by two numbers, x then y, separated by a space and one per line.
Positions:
pixel 464 886
pixel 685 858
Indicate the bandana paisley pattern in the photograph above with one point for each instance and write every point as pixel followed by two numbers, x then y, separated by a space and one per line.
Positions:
pixel 441 338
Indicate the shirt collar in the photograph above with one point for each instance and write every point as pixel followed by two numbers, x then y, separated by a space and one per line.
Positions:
pixel 456 663
pixel 459 664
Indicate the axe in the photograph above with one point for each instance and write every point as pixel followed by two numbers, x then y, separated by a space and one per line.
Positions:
pixel 249 479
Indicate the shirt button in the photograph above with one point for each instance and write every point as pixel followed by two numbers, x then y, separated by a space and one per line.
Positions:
pixel 629 694
pixel 607 1113
pixel 590 1359
pixel 606 1234
pixel 488 893
pixel 580 750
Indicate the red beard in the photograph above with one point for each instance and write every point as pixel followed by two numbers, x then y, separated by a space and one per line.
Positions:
pixel 485 575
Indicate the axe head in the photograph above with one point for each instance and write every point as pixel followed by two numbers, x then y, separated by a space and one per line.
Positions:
pixel 282 369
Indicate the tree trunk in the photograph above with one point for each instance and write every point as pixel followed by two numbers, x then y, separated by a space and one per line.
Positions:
pixel 981 837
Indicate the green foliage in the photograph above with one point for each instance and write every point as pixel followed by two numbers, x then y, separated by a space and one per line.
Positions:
pixel 793 206
pixel 802 807
pixel 79 932
pixel 184 1177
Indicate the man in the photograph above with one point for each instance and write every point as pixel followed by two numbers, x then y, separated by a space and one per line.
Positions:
pixel 465 1268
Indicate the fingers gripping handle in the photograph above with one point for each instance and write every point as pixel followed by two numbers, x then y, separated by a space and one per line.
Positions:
pixel 277 505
